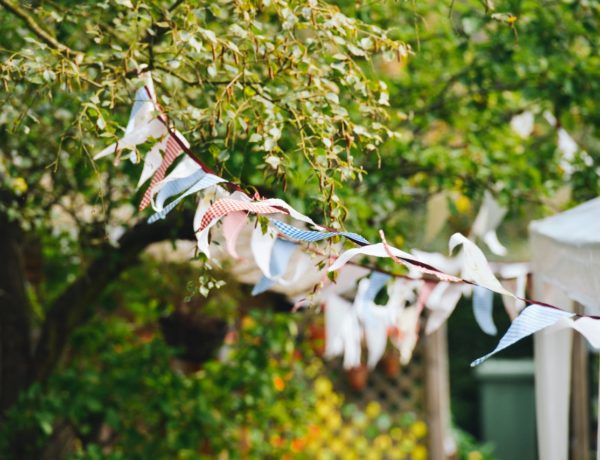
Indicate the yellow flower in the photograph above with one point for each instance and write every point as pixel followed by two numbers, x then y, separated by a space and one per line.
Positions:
pixel 373 409
pixel 396 454
pixel 19 185
pixel 248 323
pixel 419 429
pixel 278 383
pixel 337 446
pixel 323 410
pixel 347 433
pixel 382 442
pixel 348 454
pixel 335 421
pixel 474 455
pixel 361 444
pixel 419 453
pixel 511 19
pixel 323 386
pixel 397 434
pixel 463 204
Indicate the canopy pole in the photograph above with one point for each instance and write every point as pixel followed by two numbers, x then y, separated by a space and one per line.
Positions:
pixel 580 397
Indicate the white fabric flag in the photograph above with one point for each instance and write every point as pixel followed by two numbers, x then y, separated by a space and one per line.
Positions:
pixel 155 129
pixel 483 306
pixel 442 303
pixel 152 161
pixel 475 266
pixel 487 221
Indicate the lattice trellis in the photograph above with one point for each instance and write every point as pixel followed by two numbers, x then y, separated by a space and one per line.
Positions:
pixel 385 420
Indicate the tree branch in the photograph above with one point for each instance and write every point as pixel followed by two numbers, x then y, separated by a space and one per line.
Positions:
pixel 34 27
pixel 75 305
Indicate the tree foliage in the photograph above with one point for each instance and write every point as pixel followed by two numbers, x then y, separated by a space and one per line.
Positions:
pixel 354 112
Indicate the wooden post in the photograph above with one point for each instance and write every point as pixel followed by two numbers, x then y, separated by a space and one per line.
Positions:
pixel 580 398
pixel 437 394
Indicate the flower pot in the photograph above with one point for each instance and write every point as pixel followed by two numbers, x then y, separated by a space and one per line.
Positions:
pixel 391 364
pixel 316 333
pixel 357 377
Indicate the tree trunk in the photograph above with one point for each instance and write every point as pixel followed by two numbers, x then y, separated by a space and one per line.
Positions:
pixel 15 315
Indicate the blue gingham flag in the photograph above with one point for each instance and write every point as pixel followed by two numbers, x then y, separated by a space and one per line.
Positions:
pixel 312 236
pixel 532 319
pixel 483 305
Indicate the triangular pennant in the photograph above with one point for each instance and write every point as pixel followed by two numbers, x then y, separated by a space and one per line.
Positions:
pixel 475 266
pixel 532 319
pixel 232 226
pixel 483 304
pixel 172 151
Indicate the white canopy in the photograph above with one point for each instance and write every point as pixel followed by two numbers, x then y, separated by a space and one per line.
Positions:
pixel 565 261
pixel 565 252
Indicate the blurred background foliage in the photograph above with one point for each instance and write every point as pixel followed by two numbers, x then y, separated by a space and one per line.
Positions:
pixel 354 112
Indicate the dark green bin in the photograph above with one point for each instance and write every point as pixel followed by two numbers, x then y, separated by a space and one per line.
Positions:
pixel 508 407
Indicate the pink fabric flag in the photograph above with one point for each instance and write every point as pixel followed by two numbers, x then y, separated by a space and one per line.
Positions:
pixel 226 206
pixel 172 151
pixel 232 226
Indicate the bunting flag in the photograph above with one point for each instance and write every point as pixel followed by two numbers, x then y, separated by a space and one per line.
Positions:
pixel 532 319
pixel 344 331
pixel 281 252
pixel 273 254
pixel 224 206
pixel 589 328
pixel 204 181
pixel 155 129
pixel 232 226
pixel 144 106
pixel 185 173
pixel 483 304
pixel 407 336
pixel 311 236
pixel 475 266
pixel 152 161
pixel 384 250
pixel 377 281
pixel 487 221
pixel 336 311
pixel 374 319
pixel 441 303
pixel 172 151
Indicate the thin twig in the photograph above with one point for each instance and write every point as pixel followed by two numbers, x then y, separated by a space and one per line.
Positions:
pixel 34 27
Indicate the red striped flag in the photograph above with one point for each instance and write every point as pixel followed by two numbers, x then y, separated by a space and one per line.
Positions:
pixel 172 151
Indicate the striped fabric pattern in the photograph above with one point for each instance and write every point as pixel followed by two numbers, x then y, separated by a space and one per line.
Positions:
pixel 172 187
pixel 205 181
pixel 225 206
pixel 172 151
pixel 532 319
pixel 311 236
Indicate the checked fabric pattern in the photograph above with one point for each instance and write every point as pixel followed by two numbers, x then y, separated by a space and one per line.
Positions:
pixel 172 151
pixel 311 236
pixel 226 206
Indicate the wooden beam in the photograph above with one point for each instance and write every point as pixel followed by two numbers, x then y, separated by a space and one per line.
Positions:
pixel 437 393
pixel 580 397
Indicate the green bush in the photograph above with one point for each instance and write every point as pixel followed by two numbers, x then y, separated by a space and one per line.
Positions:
pixel 125 401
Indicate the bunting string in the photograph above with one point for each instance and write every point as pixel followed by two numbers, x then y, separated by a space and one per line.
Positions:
pixel 439 290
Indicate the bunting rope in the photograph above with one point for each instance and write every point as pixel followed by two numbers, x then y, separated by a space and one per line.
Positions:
pixel 475 268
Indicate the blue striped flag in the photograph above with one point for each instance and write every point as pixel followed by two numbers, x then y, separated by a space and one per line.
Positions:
pixel 312 236
pixel 205 181
pixel 532 319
